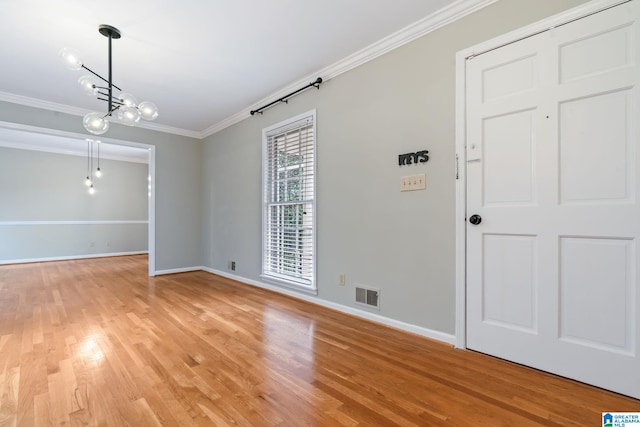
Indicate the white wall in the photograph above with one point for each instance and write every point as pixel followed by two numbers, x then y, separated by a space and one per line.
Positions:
pixel 402 243
pixel 47 212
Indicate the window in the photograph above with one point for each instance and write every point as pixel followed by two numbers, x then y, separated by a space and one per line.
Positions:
pixel 288 236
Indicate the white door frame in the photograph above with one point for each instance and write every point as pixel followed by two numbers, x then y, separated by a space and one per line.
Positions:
pixel 461 161
pixel 152 175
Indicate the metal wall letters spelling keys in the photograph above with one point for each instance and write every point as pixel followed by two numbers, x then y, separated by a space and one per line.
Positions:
pixel 411 158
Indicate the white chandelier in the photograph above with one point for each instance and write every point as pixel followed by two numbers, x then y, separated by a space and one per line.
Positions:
pixel 125 105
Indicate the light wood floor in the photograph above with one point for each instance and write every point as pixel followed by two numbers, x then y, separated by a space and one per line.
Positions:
pixel 97 342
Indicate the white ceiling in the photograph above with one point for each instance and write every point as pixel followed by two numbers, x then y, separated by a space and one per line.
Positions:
pixel 200 61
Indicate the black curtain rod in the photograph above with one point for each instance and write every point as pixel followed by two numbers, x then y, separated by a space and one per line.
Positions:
pixel 284 99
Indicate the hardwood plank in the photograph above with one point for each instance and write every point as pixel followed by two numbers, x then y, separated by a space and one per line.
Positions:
pixel 42 412
pixel 97 342
pixel 9 380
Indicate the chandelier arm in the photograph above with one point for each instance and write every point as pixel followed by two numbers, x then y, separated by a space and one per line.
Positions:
pixel 110 111
pixel 114 109
pixel 100 77
pixel 113 101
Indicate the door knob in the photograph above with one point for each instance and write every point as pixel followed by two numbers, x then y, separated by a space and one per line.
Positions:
pixel 475 219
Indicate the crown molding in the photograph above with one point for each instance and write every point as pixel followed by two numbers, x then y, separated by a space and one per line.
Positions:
pixel 9 143
pixel 444 16
pixel 168 129
pixel 68 152
pixel 428 24
pixel 75 111
pixel 39 103
pixel 439 19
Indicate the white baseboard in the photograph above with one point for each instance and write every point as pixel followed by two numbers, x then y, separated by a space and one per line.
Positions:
pixel 70 257
pixel 178 270
pixel 429 333
pixel 419 330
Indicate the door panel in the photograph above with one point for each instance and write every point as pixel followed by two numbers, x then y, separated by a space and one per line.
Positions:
pixel 596 149
pixel 585 317
pixel 510 284
pixel 510 78
pixel 508 139
pixel 552 170
pixel 600 53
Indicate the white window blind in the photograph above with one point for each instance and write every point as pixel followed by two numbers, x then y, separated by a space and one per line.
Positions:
pixel 289 187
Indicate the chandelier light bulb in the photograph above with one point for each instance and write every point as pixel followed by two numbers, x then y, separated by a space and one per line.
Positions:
pixel 129 115
pixel 128 99
pixel 87 181
pixel 91 190
pixel 148 110
pixel 70 58
pixel 95 123
pixel 88 85
pixel 98 173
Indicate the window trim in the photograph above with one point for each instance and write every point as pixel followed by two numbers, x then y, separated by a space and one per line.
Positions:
pixel 274 278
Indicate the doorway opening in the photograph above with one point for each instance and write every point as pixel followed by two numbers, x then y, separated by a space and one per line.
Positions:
pixel 128 156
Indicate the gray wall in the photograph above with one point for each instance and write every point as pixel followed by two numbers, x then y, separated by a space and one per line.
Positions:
pixel 208 205
pixel 178 181
pixel 402 243
pixel 46 187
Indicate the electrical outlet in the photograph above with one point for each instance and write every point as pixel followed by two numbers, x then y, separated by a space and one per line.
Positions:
pixel 343 279
pixel 413 182
pixel 232 265
pixel 108 244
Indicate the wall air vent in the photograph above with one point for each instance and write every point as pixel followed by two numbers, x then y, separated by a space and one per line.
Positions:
pixel 368 297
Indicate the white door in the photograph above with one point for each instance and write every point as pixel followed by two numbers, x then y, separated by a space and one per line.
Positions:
pixel 553 171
